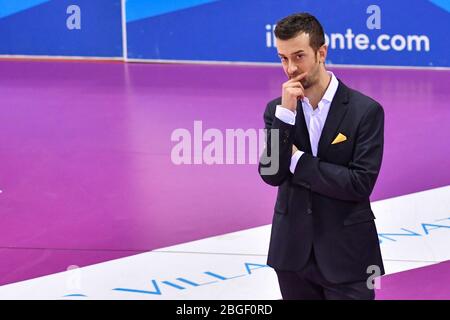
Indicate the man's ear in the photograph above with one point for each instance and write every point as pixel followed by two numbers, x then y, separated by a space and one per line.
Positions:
pixel 323 50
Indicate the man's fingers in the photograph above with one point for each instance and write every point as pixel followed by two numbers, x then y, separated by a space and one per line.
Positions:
pixel 295 84
pixel 293 91
pixel 299 77
pixel 295 81
pixel 296 92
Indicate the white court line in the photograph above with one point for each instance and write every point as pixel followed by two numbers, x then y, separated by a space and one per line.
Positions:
pixel 200 270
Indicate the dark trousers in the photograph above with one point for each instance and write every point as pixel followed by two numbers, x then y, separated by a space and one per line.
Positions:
pixel 310 284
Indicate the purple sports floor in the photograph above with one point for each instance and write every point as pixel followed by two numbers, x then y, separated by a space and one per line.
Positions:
pixel 86 174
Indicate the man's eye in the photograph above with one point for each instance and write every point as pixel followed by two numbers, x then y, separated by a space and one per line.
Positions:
pixel 300 56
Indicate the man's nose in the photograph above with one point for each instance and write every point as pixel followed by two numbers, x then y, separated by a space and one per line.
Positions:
pixel 292 68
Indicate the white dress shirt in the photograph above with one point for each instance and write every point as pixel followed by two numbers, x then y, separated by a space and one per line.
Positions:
pixel 315 119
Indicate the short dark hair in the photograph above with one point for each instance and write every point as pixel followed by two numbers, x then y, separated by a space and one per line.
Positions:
pixel 297 23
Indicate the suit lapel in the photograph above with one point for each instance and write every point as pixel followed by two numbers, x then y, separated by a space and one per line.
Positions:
pixel 335 115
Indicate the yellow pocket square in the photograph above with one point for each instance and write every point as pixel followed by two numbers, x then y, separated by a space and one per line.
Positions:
pixel 339 138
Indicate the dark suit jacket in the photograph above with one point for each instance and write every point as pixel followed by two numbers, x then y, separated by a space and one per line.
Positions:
pixel 325 203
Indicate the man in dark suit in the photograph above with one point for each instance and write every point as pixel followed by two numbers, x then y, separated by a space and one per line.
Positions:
pixel 329 148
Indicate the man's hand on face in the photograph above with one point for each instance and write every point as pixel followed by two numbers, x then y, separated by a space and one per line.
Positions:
pixel 292 92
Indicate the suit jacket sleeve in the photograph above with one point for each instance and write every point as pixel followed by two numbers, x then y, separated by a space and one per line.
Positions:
pixel 355 181
pixel 282 156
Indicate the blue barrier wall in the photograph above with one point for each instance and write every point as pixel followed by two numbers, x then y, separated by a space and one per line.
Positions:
pixel 91 28
pixel 359 32
pixel 400 32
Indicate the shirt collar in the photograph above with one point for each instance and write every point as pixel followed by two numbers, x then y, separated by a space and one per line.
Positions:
pixel 332 88
pixel 327 97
